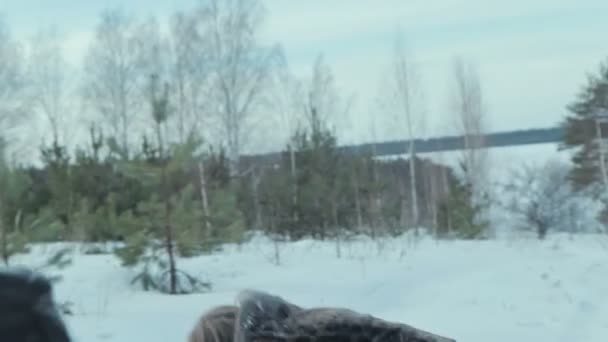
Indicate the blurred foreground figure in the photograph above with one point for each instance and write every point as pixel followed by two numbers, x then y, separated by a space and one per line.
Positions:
pixel 261 317
pixel 27 309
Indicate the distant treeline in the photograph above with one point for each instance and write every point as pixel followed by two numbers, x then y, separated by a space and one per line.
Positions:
pixel 439 144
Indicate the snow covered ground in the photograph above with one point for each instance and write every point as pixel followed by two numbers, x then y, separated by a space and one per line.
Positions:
pixel 511 289
pixel 517 289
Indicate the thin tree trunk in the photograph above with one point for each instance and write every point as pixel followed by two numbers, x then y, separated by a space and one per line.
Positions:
pixel 160 141
pixel 403 217
pixel 602 151
pixel 334 213
pixel 373 214
pixel 169 235
pixel 378 218
pixel 182 104
pixel 71 203
pixel 432 181
pixel 444 178
pixel 273 228
pixel 3 238
pixel 124 124
pixel 323 231
pixel 435 220
pixel 204 197
pixel 414 193
pixel 468 156
pixel 170 250
pixel 256 200
pixel 294 180
pixel 357 201
pixel 166 195
pixel 406 87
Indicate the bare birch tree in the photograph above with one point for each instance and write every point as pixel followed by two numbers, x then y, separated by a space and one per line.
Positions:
pixel 52 88
pixel 469 105
pixel 287 99
pixel 154 63
pixel 407 99
pixel 113 80
pixel 12 81
pixel 322 94
pixel 241 67
pixel 189 72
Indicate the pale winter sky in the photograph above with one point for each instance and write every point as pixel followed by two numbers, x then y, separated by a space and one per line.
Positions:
pixel 532 54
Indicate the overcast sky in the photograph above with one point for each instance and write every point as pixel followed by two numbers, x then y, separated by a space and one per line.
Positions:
pixel 532 54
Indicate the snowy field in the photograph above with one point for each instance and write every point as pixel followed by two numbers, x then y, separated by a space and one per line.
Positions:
pixel 514 288
pixel 517 289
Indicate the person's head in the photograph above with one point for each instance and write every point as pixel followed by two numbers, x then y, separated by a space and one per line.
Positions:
pixel 27 308
pixel 215 325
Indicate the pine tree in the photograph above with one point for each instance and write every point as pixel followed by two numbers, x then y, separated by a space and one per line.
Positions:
pixel 167 217
pixel 59 183
pixel 586 128
pixel 317 176
pixel 459 212
pixel 163 227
